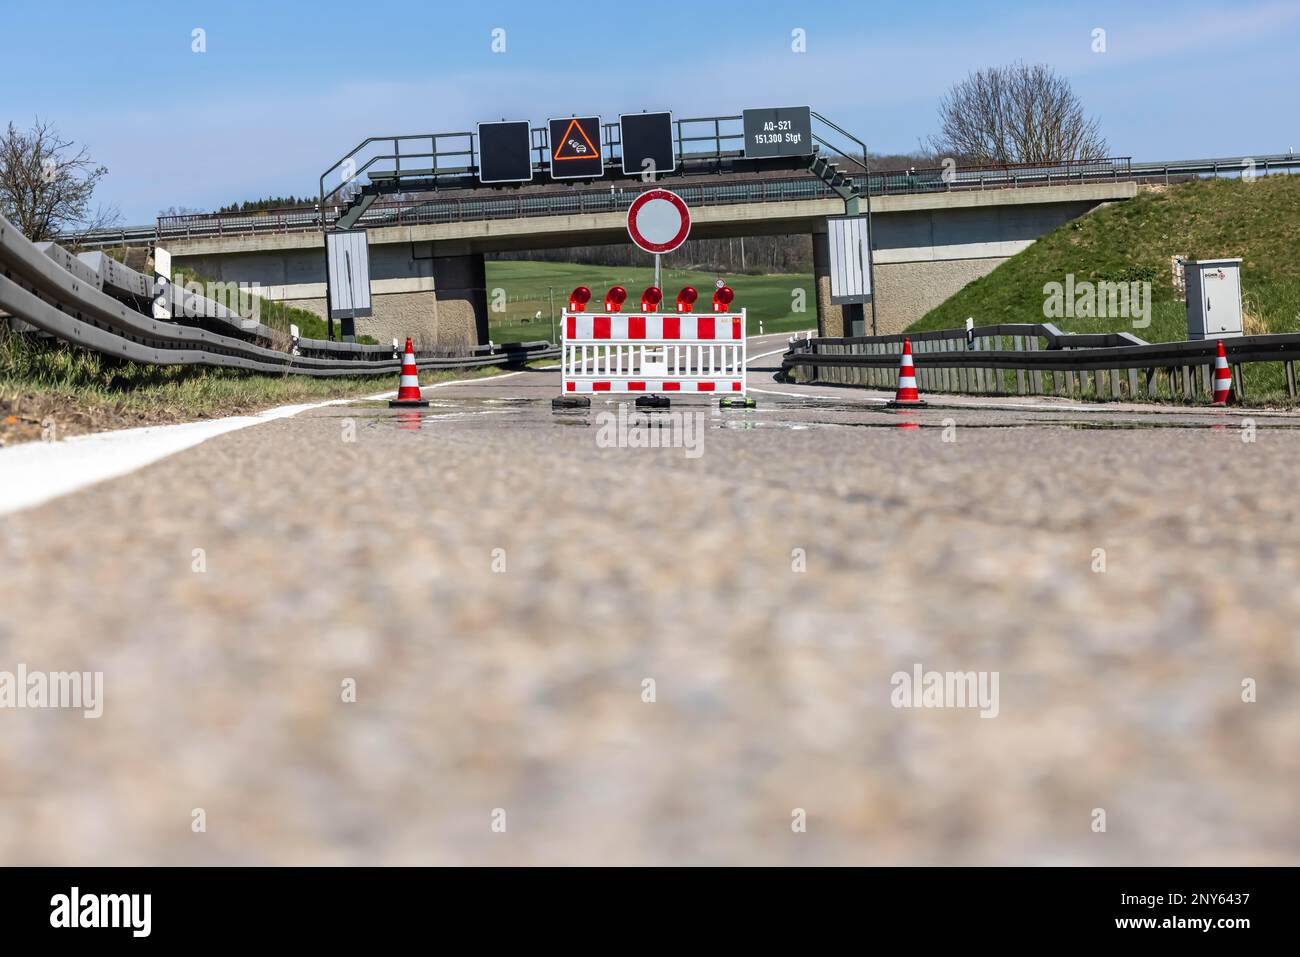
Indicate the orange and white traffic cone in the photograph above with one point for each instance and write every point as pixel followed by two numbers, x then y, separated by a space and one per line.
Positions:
pixel 906 395
pixel 408 387
pixel 1222 377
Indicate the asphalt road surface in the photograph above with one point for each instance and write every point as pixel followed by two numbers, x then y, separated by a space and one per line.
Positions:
pixel 567 648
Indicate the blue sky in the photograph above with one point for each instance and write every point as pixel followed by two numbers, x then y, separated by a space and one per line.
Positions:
pixel 286 88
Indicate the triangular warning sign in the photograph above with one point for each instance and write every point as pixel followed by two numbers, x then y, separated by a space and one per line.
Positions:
pixel 574 144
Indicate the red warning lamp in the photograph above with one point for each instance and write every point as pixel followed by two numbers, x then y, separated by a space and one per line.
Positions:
pixel 722 298
pixel 579 298
pixel 686 298
pixel 651 298
pixel 615 298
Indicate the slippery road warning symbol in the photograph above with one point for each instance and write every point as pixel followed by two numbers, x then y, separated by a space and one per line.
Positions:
pixel 575 148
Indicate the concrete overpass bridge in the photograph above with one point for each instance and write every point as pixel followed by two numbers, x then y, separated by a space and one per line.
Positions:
pixel 428 272
pixel 430 218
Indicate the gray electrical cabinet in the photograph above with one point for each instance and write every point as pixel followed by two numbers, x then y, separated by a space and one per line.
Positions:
pixel 1213 298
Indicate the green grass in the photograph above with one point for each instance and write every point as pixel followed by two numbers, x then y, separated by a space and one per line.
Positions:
pixel 525 289
pixel 1257 221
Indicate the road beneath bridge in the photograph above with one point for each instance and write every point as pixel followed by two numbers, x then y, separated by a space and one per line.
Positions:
pixel 501 589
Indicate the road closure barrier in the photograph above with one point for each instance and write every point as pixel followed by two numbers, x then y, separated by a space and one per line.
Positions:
pixel 651 353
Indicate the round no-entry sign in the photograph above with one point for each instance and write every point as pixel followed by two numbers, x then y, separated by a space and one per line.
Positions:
pixel 658 221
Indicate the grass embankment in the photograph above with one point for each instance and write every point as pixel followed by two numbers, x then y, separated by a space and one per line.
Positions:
pixel 1136 240
pixel 526 289
pixel 66 391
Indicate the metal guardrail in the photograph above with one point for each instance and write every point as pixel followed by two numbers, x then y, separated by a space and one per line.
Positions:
pixel 40 290
pixel 1039 359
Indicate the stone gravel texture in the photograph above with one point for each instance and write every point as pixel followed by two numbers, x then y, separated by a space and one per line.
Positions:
pixel 522 689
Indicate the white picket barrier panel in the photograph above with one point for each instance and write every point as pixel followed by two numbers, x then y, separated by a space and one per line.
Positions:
pixel 653 353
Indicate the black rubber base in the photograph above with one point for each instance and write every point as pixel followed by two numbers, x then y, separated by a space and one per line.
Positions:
pixel 918 404
pixel 739 402
pixel 408 403
pixel 571 402
pixel 652 402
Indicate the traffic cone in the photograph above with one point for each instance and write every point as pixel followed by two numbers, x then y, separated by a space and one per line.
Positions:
pixel 1222 377
pixel 408 387
pixel 906 396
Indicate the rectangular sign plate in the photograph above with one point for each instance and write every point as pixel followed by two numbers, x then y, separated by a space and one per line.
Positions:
pixel 647 143
pixel 850 259
pixel 504 152
pixel 783 131
pixel 348 271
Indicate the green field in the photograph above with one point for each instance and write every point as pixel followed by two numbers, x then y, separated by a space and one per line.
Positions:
pixel 525 287
pixel 1135 240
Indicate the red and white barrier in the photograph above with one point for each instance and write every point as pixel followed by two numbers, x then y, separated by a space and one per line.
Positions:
pixel 653 353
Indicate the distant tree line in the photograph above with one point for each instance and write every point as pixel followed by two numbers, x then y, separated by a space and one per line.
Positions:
pixel 271 202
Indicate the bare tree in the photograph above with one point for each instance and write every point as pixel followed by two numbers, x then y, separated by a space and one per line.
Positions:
pixel 46 184
pixel 1016 114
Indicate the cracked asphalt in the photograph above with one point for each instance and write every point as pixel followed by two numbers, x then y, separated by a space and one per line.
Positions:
pixel 506 596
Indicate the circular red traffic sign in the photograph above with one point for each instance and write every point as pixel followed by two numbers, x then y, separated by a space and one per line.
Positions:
pixel 658 221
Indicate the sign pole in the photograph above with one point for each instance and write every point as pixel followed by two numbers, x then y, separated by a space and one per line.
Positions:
pixel 871 241
pixel 657 286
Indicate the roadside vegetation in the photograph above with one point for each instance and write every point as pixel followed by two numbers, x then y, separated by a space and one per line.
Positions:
pixel 59 390
pixel 1137 240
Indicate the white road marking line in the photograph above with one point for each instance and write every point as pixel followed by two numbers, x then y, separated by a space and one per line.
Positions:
pixel 439 385
pixel 36 472
pixel 824 398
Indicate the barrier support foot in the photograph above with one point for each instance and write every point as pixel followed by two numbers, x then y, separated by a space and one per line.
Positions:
pixel 652 402
pixel 571 402
pixel 736 402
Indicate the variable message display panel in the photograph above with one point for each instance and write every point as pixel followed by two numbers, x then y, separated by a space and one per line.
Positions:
pixel 505 152
pixel 575 148
pixel 647 143
pixel 782 131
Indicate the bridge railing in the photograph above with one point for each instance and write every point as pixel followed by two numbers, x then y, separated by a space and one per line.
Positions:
pixel 556 202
